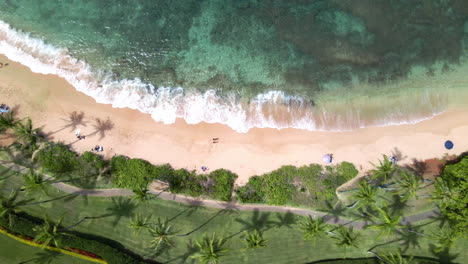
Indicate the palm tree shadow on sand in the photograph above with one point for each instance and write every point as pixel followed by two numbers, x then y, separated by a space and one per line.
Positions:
pixel 73 120
pixel 102 127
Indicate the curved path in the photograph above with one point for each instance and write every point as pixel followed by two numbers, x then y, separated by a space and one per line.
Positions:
pixel 332 219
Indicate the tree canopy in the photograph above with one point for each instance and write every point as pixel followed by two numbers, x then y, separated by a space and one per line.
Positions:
pixel 451 190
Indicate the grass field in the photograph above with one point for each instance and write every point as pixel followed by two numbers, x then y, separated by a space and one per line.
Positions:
pixel 13 251
pixel 285 243
pixel 390 199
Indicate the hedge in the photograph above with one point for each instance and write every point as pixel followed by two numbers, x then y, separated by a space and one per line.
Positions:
pixel 58 158
pixel 416 260
pixel 311 185
pixel 134 173
pixel 111 251
pixel 223 182
pixel 131 173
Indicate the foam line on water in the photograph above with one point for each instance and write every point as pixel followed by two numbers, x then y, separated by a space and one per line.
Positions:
pixel 166 104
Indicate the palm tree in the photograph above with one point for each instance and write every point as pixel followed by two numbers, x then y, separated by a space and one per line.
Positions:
pixel 9 206
pixel 444 192
pixel 345 237
pixel 210 249
pixel 393 258
pixel 139 223
pixel 385 222
pixel 27 134
pixel 408 185
pixel 365 195
pixel 313 228
pixel 7 121
pixel 49 233
pixel 383 170
pixel 141 194
pixel 162 233
pixel 34 182
pixel 255 239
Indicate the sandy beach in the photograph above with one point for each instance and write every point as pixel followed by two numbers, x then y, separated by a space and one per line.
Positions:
pixel 49 101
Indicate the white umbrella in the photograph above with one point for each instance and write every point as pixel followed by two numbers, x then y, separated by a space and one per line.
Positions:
pixel 328 158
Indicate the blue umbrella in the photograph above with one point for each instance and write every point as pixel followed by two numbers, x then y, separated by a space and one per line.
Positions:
pixel 448 144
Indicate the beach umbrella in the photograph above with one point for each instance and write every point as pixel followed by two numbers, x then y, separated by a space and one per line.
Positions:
pixel 327 158
pixel 448 144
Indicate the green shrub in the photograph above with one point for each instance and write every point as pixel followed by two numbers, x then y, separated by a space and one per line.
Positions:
pixel 311 185
pixel 131 173
pixel 186 182
pixel 93 159
pixel 58 158
pixel 454 206
pixel 278 186
pixel 223 182
pixel 252 192
pixel 347 170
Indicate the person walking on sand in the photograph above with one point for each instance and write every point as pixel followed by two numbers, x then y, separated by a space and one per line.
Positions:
pixel 77 133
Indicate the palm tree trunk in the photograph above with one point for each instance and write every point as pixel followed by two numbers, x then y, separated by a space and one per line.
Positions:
pixel 377 255
pixel 51 200
pixel 70 180
pixel 418 233
pixel 75 224
pixel 202 225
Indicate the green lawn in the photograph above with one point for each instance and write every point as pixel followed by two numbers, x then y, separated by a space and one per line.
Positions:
pixel 285 243
pixel 13 251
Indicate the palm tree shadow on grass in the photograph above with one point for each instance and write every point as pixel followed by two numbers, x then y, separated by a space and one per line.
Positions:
pixel 443 256
pixel 397 204
pixel 259 220
pixel 409 239
pixel 102 127
pixel 287 220
pixel 191 249
pixel 8 173
pixel 441 218
pixel 44 257
pixel 189 210
pixel 121 207
pixel 220 212
pixel 334 212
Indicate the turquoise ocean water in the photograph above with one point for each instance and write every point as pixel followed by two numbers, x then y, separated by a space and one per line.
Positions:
pixel 316 65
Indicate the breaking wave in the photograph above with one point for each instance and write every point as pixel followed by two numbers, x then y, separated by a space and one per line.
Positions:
pixel 273 109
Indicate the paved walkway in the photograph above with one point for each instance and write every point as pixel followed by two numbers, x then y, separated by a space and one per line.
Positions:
pixel 329 218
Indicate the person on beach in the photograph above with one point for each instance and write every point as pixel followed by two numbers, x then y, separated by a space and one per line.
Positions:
pixel 393 160
pixel 204 168
pixel 4 109
pixel 77 133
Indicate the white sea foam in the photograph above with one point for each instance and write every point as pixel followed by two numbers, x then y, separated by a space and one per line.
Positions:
pixel 273 109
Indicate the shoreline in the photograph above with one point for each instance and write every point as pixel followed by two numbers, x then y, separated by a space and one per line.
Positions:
pixel 48 100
